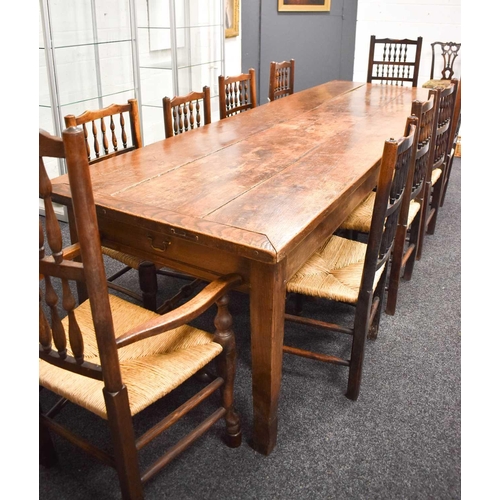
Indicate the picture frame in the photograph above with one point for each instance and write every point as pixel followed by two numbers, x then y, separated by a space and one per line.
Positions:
pixel 304 5
pixel 232 18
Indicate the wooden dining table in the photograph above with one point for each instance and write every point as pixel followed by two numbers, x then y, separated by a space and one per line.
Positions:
pixel 253 194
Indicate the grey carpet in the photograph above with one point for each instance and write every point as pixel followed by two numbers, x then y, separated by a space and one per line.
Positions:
pixel 400 440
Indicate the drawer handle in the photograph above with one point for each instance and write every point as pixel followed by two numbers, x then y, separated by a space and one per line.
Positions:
pixel 163 248
pixel 183 234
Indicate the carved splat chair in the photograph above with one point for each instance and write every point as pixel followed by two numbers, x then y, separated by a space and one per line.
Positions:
pixel 183 113
pixel 441 149
pixel 237 93
pixel 112 357
pixel 394 62
pixel 353 272
pixel 108 132
pixel 281 79
pixel 444 55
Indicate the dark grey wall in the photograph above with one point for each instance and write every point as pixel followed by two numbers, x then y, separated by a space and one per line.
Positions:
pixel 322 43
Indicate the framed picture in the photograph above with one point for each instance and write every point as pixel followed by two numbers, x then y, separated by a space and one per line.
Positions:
pixel 232 17
pixel 303 5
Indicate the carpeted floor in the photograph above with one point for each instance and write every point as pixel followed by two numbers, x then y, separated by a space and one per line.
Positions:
pixel 400 440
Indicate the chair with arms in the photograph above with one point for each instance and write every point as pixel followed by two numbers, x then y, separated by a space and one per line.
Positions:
pixel 281 78
pixel 440 152
pixel 183 113
pixel 449 53
pixel 114 358
pixel 237 93
pixel 394 62
pixel 353 272
pixel 108 133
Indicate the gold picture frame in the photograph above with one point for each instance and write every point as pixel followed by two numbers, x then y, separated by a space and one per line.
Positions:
pixel 232 18
pixel 304 5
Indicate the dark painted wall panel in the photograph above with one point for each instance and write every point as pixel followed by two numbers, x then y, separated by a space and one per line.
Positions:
pixel 322 43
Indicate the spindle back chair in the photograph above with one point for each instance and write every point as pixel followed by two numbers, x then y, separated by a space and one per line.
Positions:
pixel 440 151
pixel 394 61
pixel 184 113
pixel 281 79
pixel 353 272
pixel 237 93
pixel 410 219
pixel 109 132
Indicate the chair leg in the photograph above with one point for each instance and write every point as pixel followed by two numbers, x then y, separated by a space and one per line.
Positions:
pixel 47 452
pixel 395 274
pixel 360 333
pixel 447 177
pixel 148 284
pixel 423 223
pixel 226 368
pixel 434 206
pixel 123 438
pixel 413 243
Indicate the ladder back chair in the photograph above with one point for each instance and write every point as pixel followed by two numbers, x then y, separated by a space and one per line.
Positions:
pixel 114 358
pixel 440 152
pixel 394 62
pixel 281 78
pixel 108 132
pixel 353 272
pixel 449 53
pixel 237 93
pixel 184 113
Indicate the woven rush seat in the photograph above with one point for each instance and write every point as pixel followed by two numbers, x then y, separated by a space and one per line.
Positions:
pixel 436 174
pixel 334 271
pixel 361 217
pixel 150 368
pixel 436 84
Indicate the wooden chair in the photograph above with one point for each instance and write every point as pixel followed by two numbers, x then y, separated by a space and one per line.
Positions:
pixel 108 133
pixel 112 357
pixel 440 153
pixel 455 137
pixel 183 113
pixel 406 242
pixel 353 272
pixel 237 93
pixel 449 53
pixel 281 78
pixel 411 217
pixel 394 62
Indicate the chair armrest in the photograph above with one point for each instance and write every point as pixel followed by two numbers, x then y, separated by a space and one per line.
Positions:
pixel 183 314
